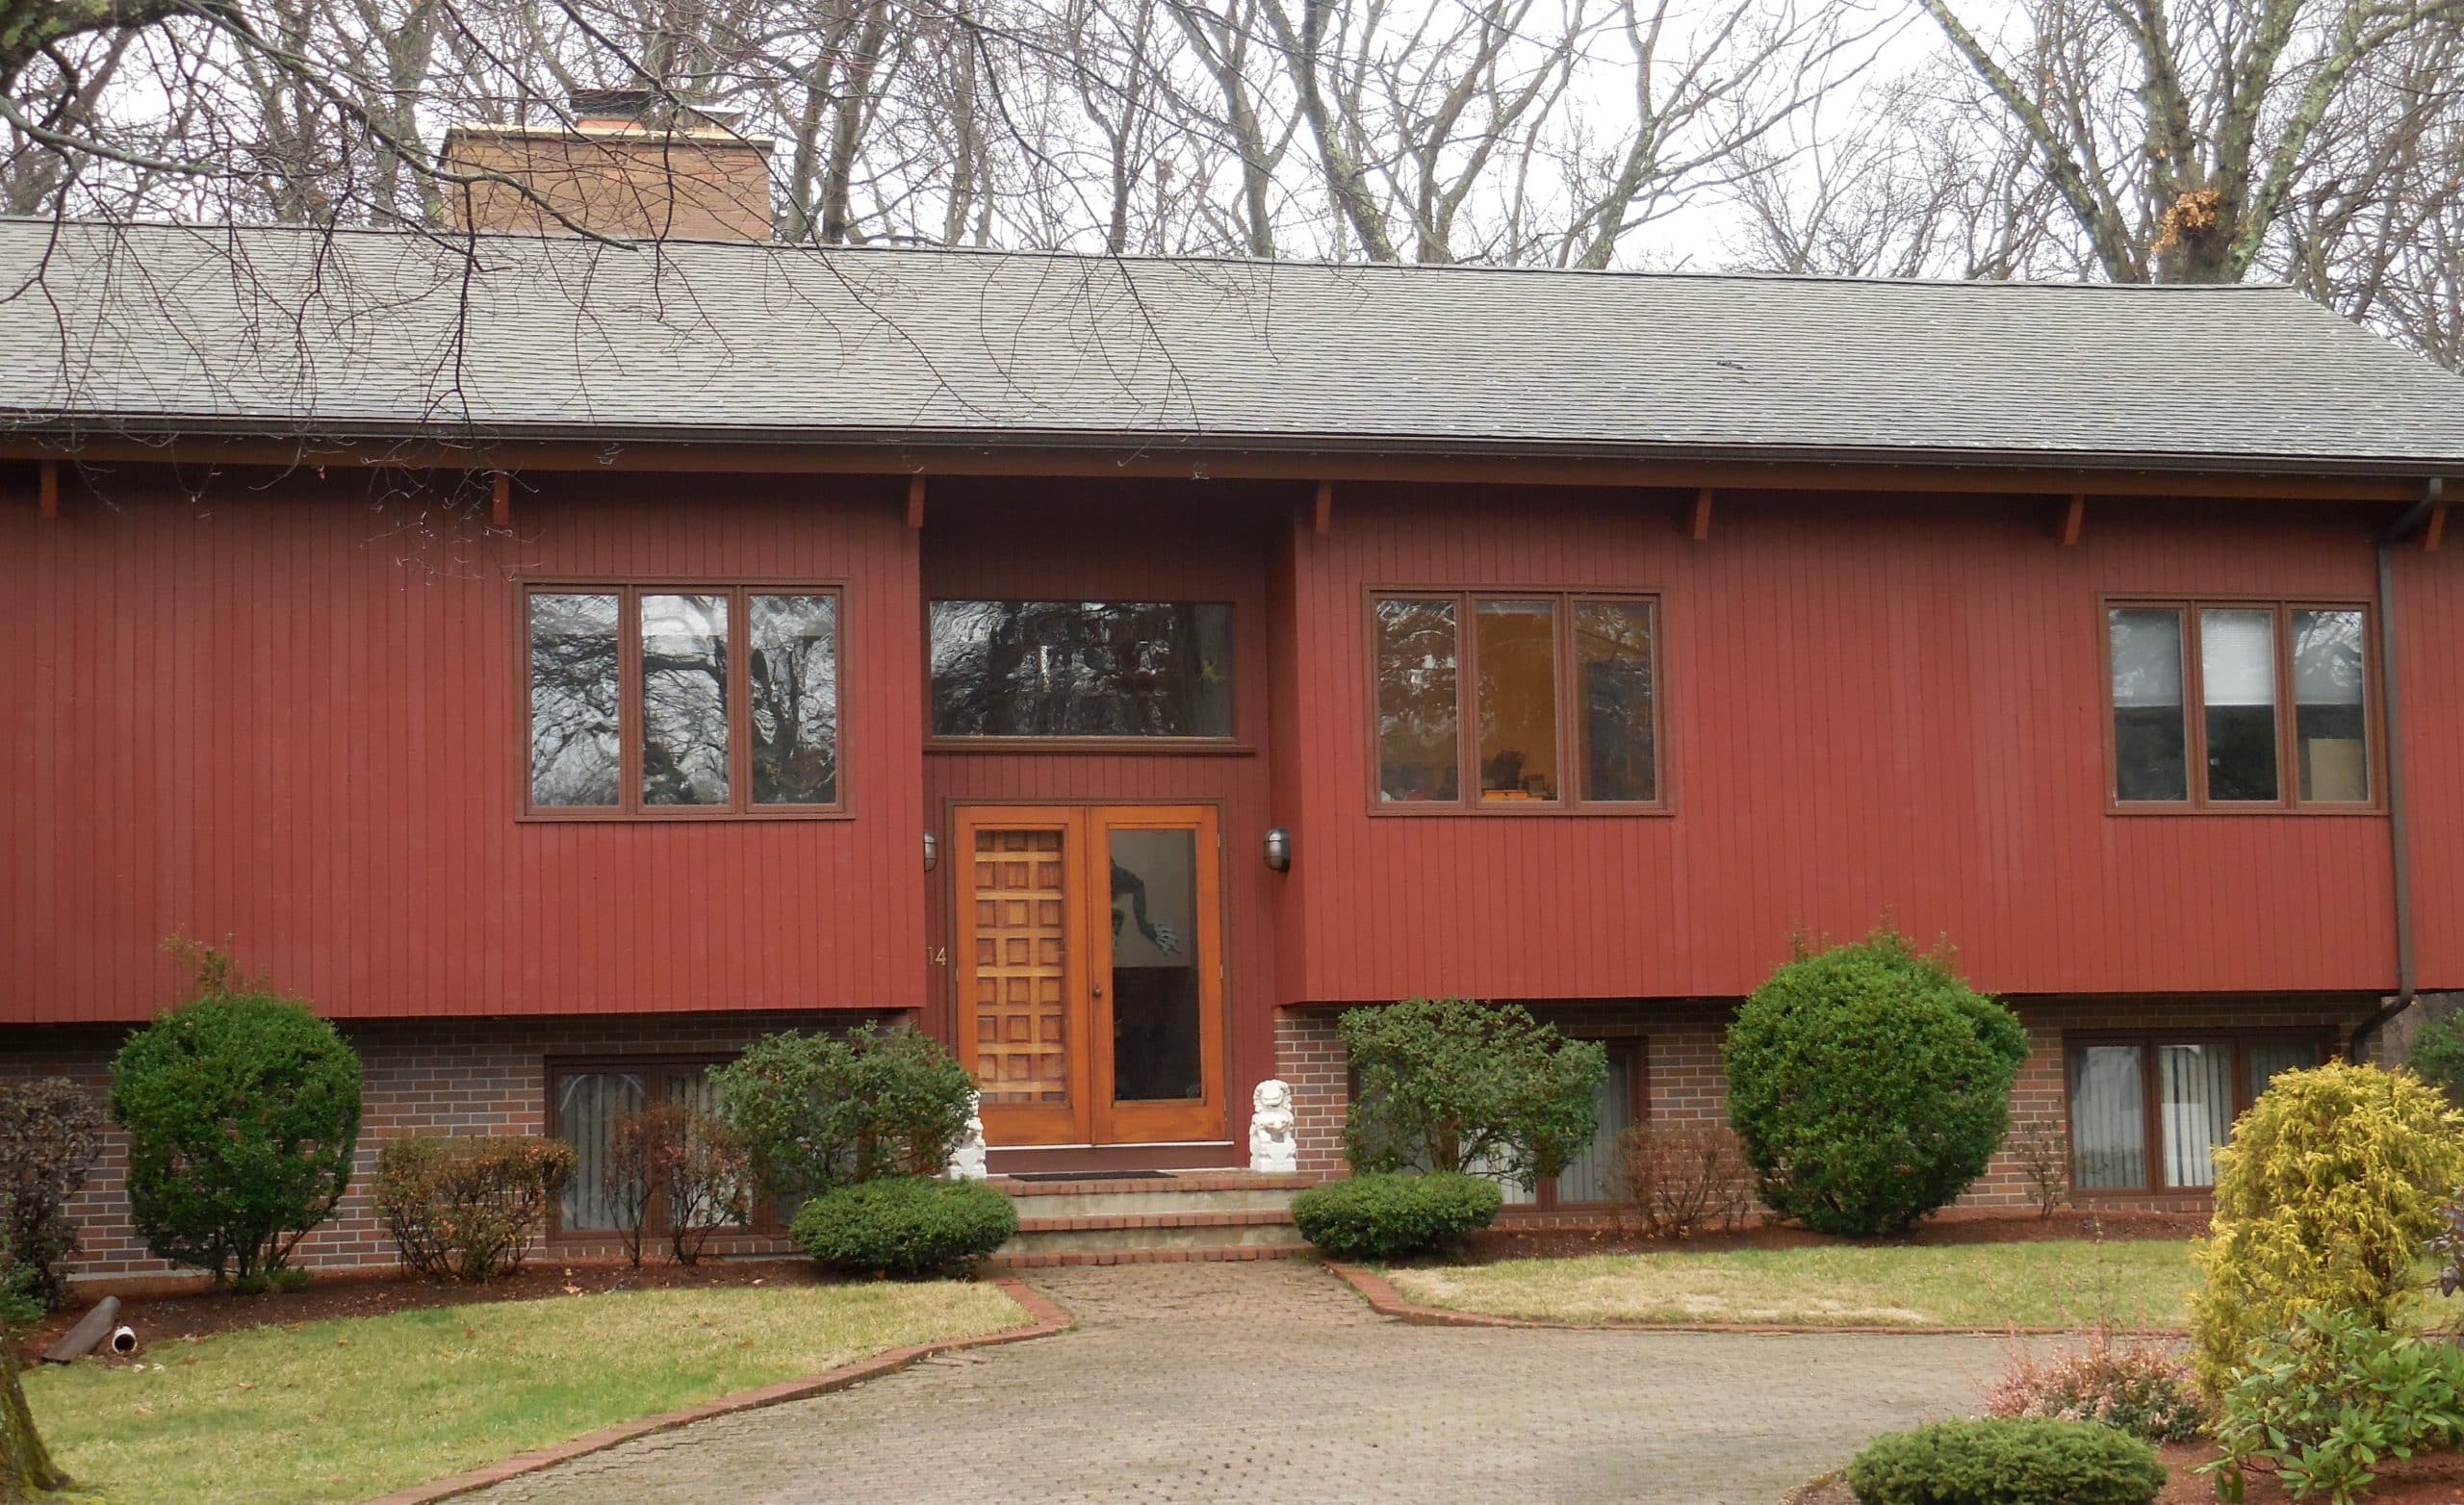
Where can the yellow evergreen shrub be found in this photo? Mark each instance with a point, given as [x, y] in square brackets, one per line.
[2325, 1199]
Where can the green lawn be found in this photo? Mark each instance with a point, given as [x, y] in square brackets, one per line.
[2055, 1283]
[344, 1410]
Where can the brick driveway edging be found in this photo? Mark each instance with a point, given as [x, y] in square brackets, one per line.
[1045, 1318]
[1386, 1301]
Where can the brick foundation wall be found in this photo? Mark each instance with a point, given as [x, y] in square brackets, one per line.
[1681, 1051]
[1310, 1061]
[442, 1077]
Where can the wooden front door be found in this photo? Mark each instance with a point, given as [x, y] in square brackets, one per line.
[1091, 984]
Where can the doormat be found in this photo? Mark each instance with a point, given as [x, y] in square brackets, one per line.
[1089, 1175]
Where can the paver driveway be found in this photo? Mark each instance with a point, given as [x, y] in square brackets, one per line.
[1272, 1381]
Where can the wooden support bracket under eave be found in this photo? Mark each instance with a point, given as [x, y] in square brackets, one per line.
[48, 488]
[2073, 517]
[916, 500]
[2435, 530]
[1324, 520]
[1700, 528]
[500, 500]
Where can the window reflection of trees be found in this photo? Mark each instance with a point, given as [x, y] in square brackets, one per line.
[1417, 754]
[684, 700]
[794, 678]
[1614, 650]
[1081, 668]
[573, 700]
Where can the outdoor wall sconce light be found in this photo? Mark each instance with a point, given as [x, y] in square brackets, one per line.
[932, 852]
[1279, 849]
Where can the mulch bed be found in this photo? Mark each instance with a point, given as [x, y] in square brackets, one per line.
[1507, 1242]
[175, 1308]
[2435, 1480]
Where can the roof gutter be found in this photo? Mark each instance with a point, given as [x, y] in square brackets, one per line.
[2398, 843]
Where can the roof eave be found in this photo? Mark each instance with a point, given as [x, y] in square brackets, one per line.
[1189, 452]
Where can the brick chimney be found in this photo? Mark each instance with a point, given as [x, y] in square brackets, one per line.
[631, 165]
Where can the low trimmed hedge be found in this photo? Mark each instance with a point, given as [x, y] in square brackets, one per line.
[904, 1225]
[2007, 1463]
[1394, 1215]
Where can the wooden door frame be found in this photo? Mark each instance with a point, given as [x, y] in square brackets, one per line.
[1090, 1120]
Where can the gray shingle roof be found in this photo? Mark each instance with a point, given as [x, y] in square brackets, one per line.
[290, 332]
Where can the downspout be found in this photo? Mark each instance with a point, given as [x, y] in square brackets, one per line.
[2397, 844]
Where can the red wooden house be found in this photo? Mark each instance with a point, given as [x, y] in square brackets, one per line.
[563, 661]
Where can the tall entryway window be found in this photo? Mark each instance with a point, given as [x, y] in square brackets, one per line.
[1090, 973]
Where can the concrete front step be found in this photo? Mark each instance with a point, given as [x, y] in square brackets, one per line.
[1206, 1214]
[1041, 1204]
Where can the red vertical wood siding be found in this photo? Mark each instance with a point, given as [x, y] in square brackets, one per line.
[1046, 542]
[2429, 665]
[1877, 709]
[289, 715]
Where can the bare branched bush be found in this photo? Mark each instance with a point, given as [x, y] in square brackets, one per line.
[677, 1172]
[1680, 1179]
[2041, 1145]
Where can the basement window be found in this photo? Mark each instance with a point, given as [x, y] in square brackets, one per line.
[2240, 706]
[665, 701]
[586, 1101]
[2148, 1113]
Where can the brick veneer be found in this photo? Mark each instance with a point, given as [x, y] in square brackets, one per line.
[1681, 1052]
[442, 1076]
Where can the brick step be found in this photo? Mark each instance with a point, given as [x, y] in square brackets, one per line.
[1243, 1217]
[1077, 1256]
[1177, 1182]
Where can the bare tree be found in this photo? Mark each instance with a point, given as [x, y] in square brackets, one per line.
[2181, 140]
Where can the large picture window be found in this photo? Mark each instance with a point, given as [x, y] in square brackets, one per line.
[1558, 691]
[1082, 669]
[2148, 1113]
[656, 700]
[2240, 706]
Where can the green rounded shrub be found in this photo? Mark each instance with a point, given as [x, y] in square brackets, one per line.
[2007, 1463]
[1392, 1216]
[1454, 1083]
[904, 1225]
[2326, 1198]
[1870, 1085]
[821, 1110]
[242, 1111]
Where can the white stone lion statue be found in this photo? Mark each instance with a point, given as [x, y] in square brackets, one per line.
[1274, 1150]
[966, 1162]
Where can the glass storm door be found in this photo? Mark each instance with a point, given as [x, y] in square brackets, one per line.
[1091, 1001]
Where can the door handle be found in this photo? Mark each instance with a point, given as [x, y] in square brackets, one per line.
[1098, 992]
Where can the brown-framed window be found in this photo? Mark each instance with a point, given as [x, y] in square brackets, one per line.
[2148, 1111]
[1590, 1178]
[1089, 669]
[586, 1099]
[1516, 702]
[651, 700]
[2240, 705]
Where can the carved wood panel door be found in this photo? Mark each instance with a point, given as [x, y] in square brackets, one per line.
[1091, 984]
